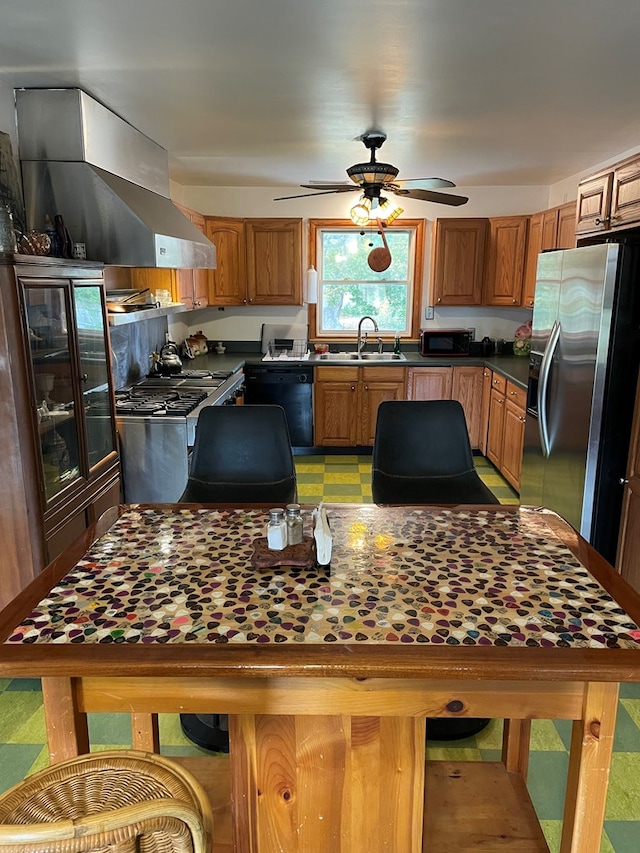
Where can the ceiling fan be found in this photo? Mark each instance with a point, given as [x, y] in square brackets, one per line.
[373, 179]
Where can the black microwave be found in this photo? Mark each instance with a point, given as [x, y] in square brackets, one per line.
[445, 342]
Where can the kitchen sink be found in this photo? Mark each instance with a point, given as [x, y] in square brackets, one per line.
[363, 356]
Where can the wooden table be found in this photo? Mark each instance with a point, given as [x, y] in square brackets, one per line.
[329, 675]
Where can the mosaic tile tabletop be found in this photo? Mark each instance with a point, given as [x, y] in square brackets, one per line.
[397, 575]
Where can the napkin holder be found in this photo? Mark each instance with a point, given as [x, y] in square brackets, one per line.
[322, 536]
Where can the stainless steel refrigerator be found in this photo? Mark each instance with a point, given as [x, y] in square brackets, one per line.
[585, 353]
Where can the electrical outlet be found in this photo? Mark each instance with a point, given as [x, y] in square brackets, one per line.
[428, 312]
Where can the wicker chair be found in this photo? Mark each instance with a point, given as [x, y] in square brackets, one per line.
[117, 801]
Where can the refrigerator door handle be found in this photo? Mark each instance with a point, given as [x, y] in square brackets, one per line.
[543, 382]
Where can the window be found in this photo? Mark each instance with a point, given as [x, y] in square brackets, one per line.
[348, 288]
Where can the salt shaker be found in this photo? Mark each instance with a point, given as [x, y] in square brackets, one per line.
[294, 524]
[277, 530]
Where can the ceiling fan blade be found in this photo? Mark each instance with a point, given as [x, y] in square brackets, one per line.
[430, 195]
[425, 183]
[329, 185]
[310, 195]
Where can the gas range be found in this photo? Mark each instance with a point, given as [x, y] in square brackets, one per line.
[148, 401]
[156, 421]
[188, 379]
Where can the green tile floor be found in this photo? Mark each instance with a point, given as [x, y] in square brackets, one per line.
[348, 479]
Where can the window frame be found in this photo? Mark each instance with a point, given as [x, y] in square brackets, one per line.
[418, 225]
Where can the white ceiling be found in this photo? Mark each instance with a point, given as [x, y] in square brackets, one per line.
[273, 92]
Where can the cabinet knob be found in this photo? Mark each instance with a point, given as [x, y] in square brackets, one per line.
[623, 481]
[353, 387]
[84, 377]
[439, 299]
[603, 221]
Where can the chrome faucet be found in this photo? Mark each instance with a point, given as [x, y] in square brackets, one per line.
[361, 342]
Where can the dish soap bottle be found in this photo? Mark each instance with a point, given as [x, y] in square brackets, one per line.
[396, 345]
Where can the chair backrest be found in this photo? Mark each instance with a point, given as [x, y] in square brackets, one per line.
[114, 800]
[242, 454]
[422, 454]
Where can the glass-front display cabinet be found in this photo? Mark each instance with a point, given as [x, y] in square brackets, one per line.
[56, 340]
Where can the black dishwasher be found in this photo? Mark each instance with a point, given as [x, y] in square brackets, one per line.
[288, 386]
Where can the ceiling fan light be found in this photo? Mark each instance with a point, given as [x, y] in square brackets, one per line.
[389, 211]
[359, 213]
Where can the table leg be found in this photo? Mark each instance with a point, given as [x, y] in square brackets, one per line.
[515, 746]
[145, 732]
[67, 731]
[315, 784]
[589, 765]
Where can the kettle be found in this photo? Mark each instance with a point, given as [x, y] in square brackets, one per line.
[170, 359]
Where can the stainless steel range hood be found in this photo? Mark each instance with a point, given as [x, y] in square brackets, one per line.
[107, 180]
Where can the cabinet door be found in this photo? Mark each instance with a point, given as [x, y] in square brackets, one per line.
[627, 561]
[513, 442]
[625, 194]
[93, 360]
[336, 413]
[458, 261]
[534, 247]
[375, 389]
[274, 261]
[228, 282]
[429, 383]
[549, 229]
[505, 268]
[56, 401]
[487, 377]
[594, 204]
[566, 226]
[496, 427]
[467, 389]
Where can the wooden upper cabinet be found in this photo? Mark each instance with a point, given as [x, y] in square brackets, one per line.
[534, 247]
[274, 261]
[611, 199]
[228, 281]
[549, 229]
[625, 193]
[259, 261]
[505, 263]
[566, 235]
[458, 261]
[594, 204]
[191, 286]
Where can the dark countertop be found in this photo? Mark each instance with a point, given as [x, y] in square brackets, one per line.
[513, 367]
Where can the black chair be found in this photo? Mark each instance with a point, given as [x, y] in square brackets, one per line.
[422, 455]
[242, 454]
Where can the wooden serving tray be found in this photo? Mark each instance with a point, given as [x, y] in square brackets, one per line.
[300, 556]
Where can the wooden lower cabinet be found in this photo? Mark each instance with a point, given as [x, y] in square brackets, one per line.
[452, 383]
[346, 401]
[505, 437]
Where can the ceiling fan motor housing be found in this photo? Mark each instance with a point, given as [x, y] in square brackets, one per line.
[372, 173]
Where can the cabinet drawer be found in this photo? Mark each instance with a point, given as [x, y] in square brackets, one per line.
[383, 374]
[336, 374]
[499, 382]
[517, 395]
